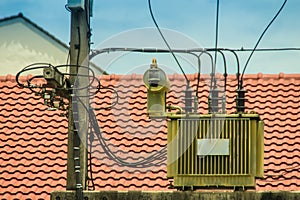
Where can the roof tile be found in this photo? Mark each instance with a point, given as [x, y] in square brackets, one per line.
[34, 155]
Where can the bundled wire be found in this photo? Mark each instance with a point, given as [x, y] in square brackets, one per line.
[41, 66]
[159, 156]
[31, 67]
[154, 159]
[94, 84]
[220, 50]
[114, 103]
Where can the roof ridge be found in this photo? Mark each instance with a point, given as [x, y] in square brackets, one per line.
[117, 77]
[20, 15]
[194, 76]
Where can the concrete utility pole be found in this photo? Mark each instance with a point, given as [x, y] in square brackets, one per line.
[78, 116]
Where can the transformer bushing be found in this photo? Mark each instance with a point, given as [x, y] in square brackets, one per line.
[214, 101]
[188, 100]
[240, 100]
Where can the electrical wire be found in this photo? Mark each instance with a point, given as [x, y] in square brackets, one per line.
[88, 20]
[163, 37]
[224, 64]
[46, 65]
[93, 76]
[270, 49]
[145, 162]
[216, 44]
[93, 79]
[42, 66]
[238, 64]
[79, 192]
[78, 46]
[95, 52]
[213, 81]
[68, 60]
[76, 139]
[225, 69]
[30, 67]
[29, 85]
[236, 57]
[113, 104]
[193, 52]
[212, 66]
[67, 8]
[198, 77]
[199, 69]
[259, 39]
[91, 139]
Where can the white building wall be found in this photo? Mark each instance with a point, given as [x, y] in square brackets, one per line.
[22, 44]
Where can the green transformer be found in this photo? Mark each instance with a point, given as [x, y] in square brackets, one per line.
[214, 150]
[225, 150]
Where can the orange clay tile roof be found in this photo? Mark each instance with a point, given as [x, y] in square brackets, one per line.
[33, 154]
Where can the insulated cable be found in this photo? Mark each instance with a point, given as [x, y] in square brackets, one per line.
[216, 43]
[236, 57]
[145, 162]
[225, 69]
[161, 34]
[91, 139]
[259, 39]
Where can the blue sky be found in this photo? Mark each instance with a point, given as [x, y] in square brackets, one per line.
[240, 24]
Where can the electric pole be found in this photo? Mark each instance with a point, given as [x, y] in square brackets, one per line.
[79, 101]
